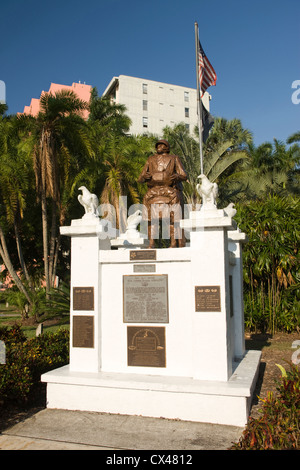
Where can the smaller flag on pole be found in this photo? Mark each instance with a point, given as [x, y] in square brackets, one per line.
[207, 122]
[207, 74]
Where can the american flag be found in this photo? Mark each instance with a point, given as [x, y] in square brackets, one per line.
[207, 74]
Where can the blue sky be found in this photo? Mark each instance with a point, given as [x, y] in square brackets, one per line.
[253, 46]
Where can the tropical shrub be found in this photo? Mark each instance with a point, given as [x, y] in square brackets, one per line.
[57, 304]
[18, 299]
[271, 260]
[26, 360]
[278, 425]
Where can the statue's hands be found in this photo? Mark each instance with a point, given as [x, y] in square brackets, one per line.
[171, 179]
[147, 176]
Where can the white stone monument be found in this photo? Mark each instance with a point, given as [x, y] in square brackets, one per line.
[158, 332]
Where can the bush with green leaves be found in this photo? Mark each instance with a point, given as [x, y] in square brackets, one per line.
[271, 262]
[278, 425]
[57, 304]
[27, 359]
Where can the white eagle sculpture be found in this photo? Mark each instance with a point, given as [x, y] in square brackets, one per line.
[208, 192]
[89, 201]
[131, 226]
[134, 220]
[230, 211]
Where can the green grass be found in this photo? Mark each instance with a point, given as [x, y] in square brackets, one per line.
[9, 316]
[8, 310]
[30, 330]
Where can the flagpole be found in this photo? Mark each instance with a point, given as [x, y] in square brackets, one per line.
[199, 108]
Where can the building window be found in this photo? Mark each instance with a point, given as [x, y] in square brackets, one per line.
[186, 96]
[145, 88]
[145, 122]
[186, 112]
[187, 126]
[145, 105]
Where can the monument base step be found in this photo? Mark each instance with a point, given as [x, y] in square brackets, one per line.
[155, 396]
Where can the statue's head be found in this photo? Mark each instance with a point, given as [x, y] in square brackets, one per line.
[162, 146]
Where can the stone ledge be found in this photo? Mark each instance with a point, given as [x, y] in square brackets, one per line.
[239, 384]
[180, 398]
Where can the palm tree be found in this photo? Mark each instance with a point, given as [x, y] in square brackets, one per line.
[13, 183]
[123, 158]
[110, 115]
[293, 138]
[112, 167]
[232, 130]
[271, 168]
[3, 109]
[221, 151]
[55, 132]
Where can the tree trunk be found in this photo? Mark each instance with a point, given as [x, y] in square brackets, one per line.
[55, 260]
[53, 243]
[7, 261]
[20, 253]
[45, 241]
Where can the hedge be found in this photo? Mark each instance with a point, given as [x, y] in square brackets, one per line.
[26, 360]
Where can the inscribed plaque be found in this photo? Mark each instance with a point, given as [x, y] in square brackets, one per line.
[136, 255]
[83, 298]
[207, 299]
[144, 268]
[146, 346]
[145, 298]
[83, 331]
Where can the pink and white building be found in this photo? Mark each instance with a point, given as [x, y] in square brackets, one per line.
[82, 90]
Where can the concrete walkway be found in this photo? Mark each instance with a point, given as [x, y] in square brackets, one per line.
[52, 429]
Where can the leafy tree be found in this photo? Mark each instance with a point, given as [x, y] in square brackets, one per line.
[14, 174]
[271, 262]
[123, 158]
[110, 115]
[56, 132]
[224, 147]
[112, 168]
[293, 138]
[271, 168]
[3, 109]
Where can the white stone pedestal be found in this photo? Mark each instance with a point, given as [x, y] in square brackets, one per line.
[88, 237]
[156, 396]
[133, 243]
[204, 374]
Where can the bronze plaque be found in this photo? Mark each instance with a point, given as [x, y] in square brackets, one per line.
[146, 346]
[136, 255]
[83, 331]
[145, 298]
[208, 299]
[83, 298]
[144, 268]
